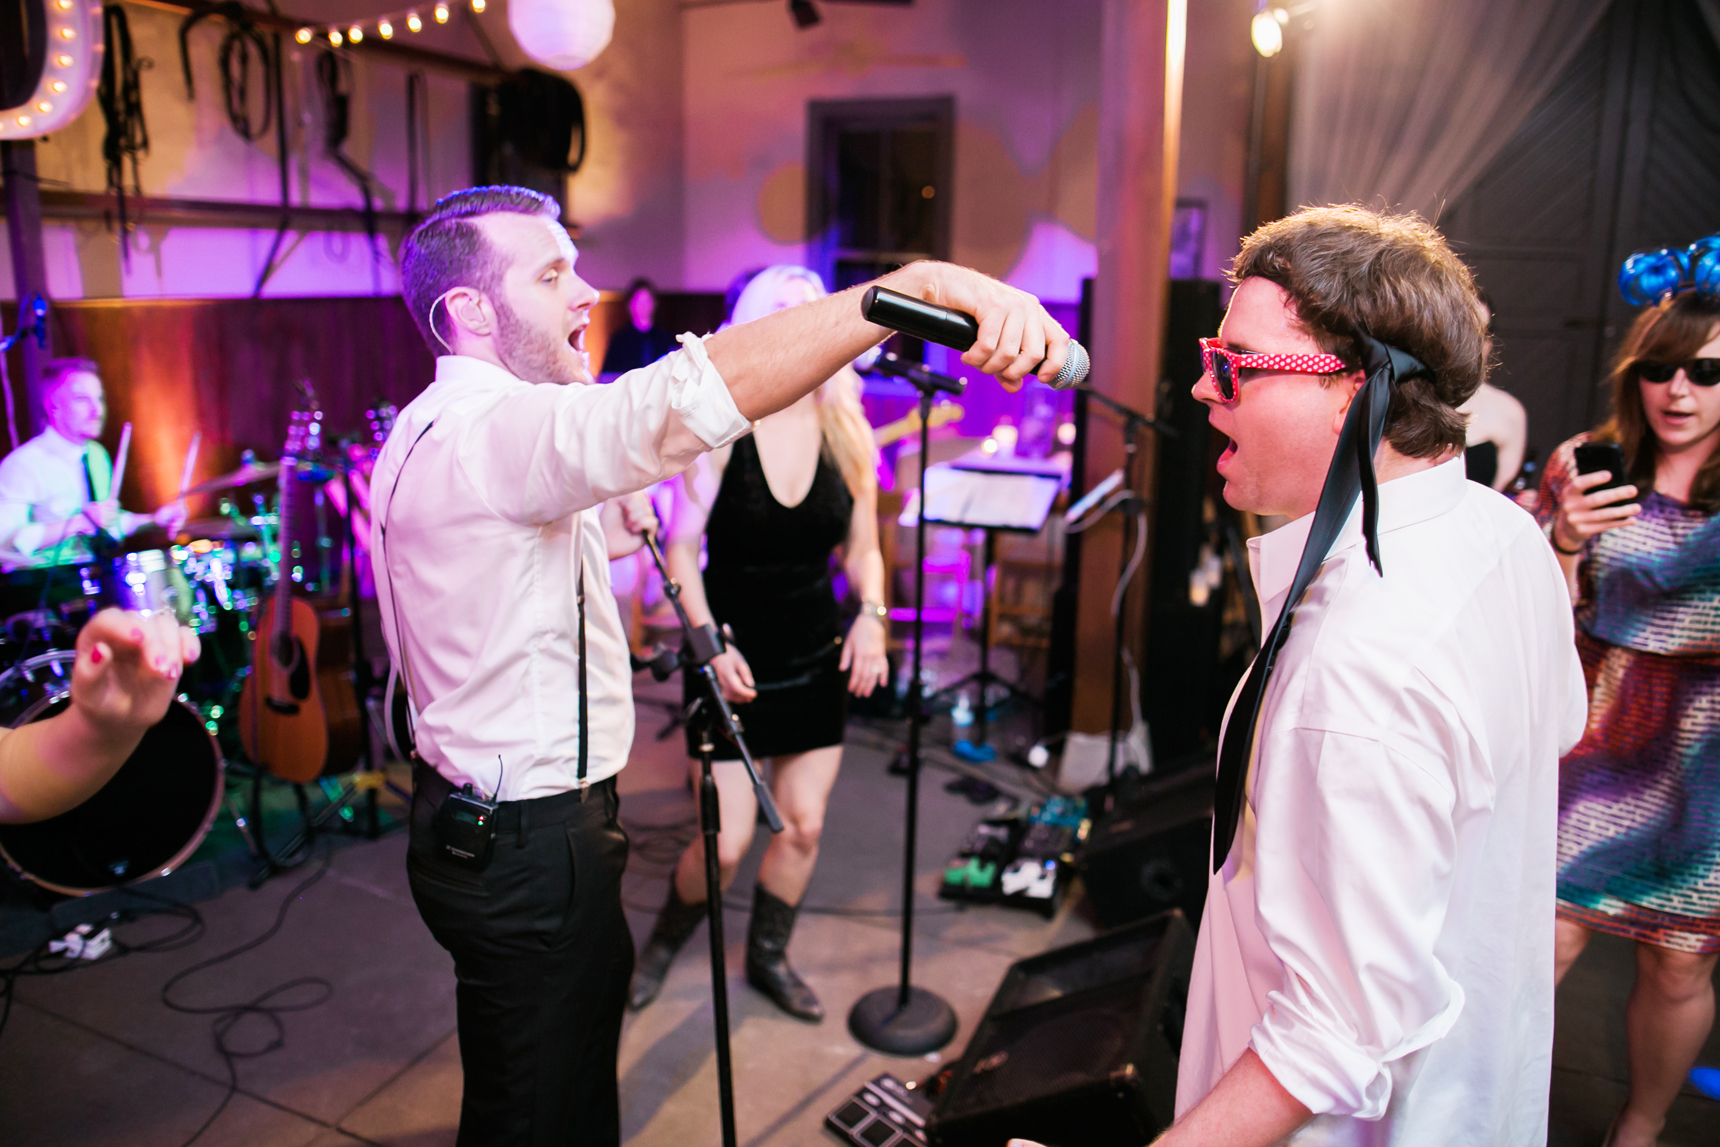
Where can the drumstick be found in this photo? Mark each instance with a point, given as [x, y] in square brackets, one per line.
[119, 461]
[190, 463]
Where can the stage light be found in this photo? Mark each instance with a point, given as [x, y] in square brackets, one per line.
[385, 30]
[1267, 31]
[413, 23]
[303, 35]
[335, 38]
[441, 13]
[355, 34]
[562, 35]
[805, 15]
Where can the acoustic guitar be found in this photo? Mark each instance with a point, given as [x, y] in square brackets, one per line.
[284, 723]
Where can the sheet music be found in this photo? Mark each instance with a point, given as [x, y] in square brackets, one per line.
[984, 499]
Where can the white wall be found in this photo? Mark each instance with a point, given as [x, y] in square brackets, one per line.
[1024, 74]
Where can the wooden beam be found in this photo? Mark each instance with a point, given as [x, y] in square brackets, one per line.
[56, 204]
[394, 52]
[29, 264]
[1140, 112]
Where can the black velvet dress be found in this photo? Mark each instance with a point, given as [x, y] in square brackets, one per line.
[767, 577]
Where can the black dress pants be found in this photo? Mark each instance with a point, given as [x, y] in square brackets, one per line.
[543, 957]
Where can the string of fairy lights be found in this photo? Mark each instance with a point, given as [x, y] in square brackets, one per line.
[407, 20]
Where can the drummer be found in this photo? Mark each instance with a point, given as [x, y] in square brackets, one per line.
[56, 489]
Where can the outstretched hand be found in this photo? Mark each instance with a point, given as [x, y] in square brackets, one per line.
[128, 668]
[1016, 333]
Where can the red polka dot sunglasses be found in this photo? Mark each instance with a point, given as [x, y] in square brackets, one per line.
[1223, 365]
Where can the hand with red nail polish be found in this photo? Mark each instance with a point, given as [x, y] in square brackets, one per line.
[125, 676]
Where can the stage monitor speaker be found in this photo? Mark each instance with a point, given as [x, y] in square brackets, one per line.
[1078, 1047]
[1151, 853]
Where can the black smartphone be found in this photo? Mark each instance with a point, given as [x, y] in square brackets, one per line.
[1594, 457]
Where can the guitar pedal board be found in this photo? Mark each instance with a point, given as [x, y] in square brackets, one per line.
[885, 1112]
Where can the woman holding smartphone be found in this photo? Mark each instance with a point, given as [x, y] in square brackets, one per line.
[1639, 797]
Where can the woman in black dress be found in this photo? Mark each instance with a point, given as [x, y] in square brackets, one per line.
[771, 509]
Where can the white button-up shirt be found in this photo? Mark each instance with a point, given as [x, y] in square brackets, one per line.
[1381, 933]
[45, 478]
[477, 548]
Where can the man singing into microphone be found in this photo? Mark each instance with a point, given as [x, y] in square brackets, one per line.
[493, 581]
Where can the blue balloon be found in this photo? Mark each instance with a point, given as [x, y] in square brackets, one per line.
[1705, 267]
[1649, 276]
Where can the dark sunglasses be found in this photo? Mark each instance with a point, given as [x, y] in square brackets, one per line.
[1700, 371]
[1224, 364]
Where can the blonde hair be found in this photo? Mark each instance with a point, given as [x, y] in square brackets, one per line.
[841, 420]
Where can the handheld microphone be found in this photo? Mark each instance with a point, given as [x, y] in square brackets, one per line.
[952, 328]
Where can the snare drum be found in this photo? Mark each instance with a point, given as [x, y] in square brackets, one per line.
[144, 822]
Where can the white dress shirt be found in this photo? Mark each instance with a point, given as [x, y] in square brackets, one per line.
[1382, 932]
[45, 479]
[477, 549]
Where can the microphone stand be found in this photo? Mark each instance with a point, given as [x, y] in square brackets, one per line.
[905, 1020]
[706, 716]
[1132, 506]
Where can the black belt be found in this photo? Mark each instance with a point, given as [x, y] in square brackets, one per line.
[537, 812]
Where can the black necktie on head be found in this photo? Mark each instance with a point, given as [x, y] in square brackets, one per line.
[1351, 472]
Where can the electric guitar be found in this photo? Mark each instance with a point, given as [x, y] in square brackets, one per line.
[942, 413]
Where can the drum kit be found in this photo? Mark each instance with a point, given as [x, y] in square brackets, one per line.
[219, 578]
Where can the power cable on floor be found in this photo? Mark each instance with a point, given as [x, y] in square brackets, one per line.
[227, 1016]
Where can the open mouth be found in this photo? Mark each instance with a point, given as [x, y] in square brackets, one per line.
[577, 339]
[1229, 453]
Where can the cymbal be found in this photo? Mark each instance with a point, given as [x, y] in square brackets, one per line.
[248, 475]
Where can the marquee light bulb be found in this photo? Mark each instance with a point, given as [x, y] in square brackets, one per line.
[303, 35]
[64, 60]
[441, 13]
[44, 107]
[68, 33]
[355, 34]
[477, 5]
[413, 23]
[23, 121]
[385, 30]
[335, 38]
[57, 86]
[63, 5]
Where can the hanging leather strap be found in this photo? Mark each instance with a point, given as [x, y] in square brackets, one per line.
[1351, 473]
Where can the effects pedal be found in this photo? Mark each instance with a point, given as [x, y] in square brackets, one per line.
[885, 1112]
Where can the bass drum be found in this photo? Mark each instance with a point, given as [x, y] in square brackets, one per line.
[144, 822]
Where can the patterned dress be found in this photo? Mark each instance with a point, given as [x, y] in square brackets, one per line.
[1639, 797]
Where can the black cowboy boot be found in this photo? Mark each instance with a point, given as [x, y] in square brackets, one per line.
[767, 957]
[674, 924]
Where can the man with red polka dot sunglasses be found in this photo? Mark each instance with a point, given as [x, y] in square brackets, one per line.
[1223, 365]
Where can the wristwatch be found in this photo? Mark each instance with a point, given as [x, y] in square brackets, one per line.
[875, 609]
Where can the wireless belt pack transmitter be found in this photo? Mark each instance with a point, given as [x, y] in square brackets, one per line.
[466, 827]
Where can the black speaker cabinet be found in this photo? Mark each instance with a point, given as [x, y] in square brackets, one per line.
[1079, 1046]
[1153, 852]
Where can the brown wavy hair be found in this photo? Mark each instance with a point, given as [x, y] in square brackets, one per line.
[1671, 331]
[1350, 269]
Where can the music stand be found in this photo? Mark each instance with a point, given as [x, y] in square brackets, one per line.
[994, 495]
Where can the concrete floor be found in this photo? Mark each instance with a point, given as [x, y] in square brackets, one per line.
[93, 1056]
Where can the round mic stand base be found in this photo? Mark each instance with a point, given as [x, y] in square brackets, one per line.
[903, 1019]
[880, 1021]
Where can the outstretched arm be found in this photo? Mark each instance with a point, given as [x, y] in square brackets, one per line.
[125, 676]
[770, 362]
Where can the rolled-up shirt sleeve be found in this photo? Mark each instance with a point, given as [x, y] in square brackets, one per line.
[551, 451]
[1355, 872]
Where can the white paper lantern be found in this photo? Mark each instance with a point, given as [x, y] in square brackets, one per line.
[563, 35]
